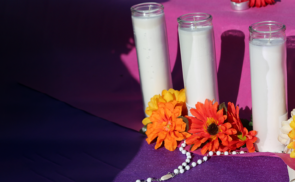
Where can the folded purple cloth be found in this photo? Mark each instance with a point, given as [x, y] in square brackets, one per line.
[149, 162]
[43, 139]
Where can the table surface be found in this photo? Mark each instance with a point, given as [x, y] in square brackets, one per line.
[44, 139]
[68, 74]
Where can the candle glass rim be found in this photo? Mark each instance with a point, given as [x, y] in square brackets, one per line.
[146, 4]
[240, 2]
[181, 20]
[280, 26]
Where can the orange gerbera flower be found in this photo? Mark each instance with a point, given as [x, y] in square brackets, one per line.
[243, 136]
[166, 125]
[208, 127]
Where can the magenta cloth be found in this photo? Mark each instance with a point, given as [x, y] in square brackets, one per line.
[82, 52]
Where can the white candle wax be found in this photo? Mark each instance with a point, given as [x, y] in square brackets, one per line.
[198, 64]
[268, 91]
[152, 54]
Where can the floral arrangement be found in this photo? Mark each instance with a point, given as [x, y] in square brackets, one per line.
[213, 126]
[287, 137]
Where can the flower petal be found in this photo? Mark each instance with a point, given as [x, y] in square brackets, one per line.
[167, 96]
[253, 132]
[195, 130]
[240, 144]
[178, 136]
[181, 97]
[161, 137]
[192, 139]
[231, 131]
[180, 125]
[292, 134]
[292, 155]
[170, 143]
[205, 148]
[185, 134]
[146, 120]
[227, 125]
[283, 139]
[285, 123]
[286, 129]
[292, 124]
[250, 146]
[291, 145]
[216, 144]
[151, 137]
[196, 146]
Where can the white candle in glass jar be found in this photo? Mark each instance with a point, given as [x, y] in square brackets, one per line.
[198, 62]
[267, 58]
[152, 49]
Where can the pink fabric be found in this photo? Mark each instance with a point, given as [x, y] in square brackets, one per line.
[92, 61]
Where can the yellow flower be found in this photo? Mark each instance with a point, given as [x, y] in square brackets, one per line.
[292, 137]
[292, 132]
[285, 130]
[167, 96]
[292, 146]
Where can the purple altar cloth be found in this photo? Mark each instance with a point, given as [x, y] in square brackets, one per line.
[149, 162]
[43, 139]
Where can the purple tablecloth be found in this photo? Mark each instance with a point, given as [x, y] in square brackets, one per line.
[43, 139]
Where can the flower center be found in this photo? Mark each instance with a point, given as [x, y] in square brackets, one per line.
[167, 128]
[212, 129]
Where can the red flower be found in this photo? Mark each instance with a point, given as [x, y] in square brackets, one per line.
[208, 127]
[243, 136]
[259, 3]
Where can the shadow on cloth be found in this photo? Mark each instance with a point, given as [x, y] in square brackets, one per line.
[72, 51]
[177, 76]
[231, 64]
[44, 139]
[290, 73]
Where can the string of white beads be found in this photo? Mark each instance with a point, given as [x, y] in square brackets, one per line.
[185, 166]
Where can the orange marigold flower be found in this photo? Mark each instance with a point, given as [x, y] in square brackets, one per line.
[166, 125]
[208, 127]
[243, 136]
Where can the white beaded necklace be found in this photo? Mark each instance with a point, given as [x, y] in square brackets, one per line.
[185, 166]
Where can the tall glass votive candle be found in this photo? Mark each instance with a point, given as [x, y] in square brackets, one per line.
[197, 48]
[268, 60]
[149, 29]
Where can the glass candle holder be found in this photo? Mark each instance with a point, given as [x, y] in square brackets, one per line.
[268, 79]
[197, 48]
[239, 5]
[149, 29]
